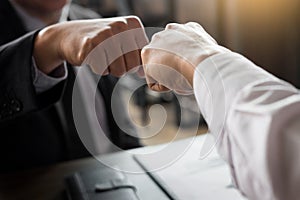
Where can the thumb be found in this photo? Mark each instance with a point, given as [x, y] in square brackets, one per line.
[153, 84]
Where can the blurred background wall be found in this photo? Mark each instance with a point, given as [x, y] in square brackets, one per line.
[267, 32]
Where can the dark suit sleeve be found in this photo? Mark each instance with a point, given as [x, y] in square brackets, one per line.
[17, 91]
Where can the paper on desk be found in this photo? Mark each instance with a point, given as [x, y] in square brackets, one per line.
[192, 178]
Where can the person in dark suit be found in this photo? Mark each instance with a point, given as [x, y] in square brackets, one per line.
[36, 125]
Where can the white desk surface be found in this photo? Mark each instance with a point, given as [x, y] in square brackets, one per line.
[190, 177]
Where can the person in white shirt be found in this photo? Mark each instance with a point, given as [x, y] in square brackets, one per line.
[254, 116]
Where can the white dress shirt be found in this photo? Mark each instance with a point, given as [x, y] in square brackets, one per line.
[255, 118]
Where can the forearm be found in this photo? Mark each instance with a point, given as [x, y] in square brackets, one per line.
[263, 142]
[74, 41]
[218, 80]
[248, 111]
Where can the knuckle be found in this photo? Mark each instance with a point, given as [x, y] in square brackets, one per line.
[134, 21]
[156, 36]
[133, 18]
[171, 26]
[145, 52]
[146, 55]
[85, 48]
[81, 55]
[119, 25]
[195, 26]
[106, 32]
[91, 40]
[87, 42]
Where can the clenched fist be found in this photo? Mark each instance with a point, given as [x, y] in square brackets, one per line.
[110, 45]
[172, 56]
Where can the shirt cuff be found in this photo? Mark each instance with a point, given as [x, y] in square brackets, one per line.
[43, 82]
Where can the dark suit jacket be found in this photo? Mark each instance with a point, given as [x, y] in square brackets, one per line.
[39, 129]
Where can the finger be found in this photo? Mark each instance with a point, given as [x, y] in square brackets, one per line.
[151, 82]
[140, 36]
[132, 57]
[158, 87]
[116, 68]
[201, 31]
[156, 37]
[195, 25]
[117, 63]
[129, 43]
[132, 60]
[96, 57]
[172, 26]
[129, 49]
[154, 85]
[180, 28]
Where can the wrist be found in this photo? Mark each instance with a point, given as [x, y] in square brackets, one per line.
[46, 50]
[188, 67]
[209, 52]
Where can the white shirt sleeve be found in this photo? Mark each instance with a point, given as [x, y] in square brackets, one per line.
[43, 82]
[255, 118]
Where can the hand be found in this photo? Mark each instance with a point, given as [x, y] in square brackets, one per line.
[117, 42]
[172, 56]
